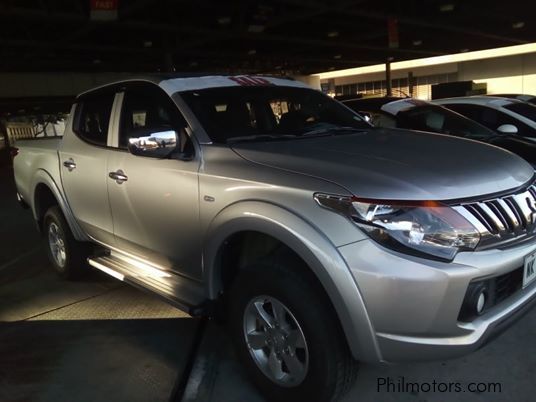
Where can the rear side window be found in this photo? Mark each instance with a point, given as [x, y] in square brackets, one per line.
[93, 117]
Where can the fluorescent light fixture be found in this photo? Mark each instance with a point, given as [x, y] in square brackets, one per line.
[433, 61]
[446, 7]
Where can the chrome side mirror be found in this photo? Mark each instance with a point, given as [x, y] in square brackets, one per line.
[507, 129]
[156, 143]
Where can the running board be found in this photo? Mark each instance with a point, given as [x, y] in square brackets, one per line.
[184, 293]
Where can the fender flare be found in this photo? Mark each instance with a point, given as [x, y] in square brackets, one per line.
[43, 177]
[308, 242]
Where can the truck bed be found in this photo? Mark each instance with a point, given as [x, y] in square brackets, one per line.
[35, 154]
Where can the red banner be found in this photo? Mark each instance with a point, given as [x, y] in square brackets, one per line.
[103, 10]
[392, 32]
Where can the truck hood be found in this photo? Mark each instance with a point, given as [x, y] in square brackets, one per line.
[396, 164]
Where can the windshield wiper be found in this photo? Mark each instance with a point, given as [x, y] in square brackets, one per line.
[261, 137]
[332, 131]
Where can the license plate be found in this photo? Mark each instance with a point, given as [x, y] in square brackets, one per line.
[529, 272]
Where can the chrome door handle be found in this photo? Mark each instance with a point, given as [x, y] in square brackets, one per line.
[69, 164]
[119, 176]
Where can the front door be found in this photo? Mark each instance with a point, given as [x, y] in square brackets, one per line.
[154, 202]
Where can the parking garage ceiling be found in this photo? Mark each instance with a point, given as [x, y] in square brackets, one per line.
[282, 36]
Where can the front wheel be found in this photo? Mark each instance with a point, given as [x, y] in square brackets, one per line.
[288, 337]
[65, 253]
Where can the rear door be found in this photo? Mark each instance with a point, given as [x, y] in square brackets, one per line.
[83, 157]
[156, 208]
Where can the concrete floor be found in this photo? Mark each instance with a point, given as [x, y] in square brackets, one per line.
[99, 340]
[95, 339]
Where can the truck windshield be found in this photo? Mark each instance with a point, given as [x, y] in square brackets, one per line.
[441, 120]
[269, 112]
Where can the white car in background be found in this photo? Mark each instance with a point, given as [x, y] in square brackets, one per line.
[523, 97]
[504, 115]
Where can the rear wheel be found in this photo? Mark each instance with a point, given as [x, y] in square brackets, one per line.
[288, 337]
[65, 253]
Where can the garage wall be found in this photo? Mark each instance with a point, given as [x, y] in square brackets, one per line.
[512, 74]
[507, 74]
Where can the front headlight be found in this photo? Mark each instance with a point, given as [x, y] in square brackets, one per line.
[413, 227]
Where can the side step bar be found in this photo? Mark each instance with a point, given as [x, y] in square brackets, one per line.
[184, 293]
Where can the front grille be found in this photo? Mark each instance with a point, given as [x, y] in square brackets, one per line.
[505, 217]
[496, 289]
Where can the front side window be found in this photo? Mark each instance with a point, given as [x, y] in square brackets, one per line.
[524, 109]
[151, 122]
[233, 112]
[93, 118]
[441, 120]
[492, 118]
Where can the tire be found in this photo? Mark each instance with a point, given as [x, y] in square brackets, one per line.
[65, 253]
[327, 368]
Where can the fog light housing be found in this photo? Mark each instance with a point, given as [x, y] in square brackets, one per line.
[475, 301]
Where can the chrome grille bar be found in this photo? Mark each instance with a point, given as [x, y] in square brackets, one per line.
[503, 218]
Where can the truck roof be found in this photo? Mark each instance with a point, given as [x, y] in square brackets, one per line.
[172, 83]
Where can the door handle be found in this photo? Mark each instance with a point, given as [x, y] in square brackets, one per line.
[119, 176]
[69, 164]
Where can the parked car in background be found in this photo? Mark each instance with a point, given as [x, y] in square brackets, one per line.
[415, 114]
[503, 115]
[322, 240]
[525, 98]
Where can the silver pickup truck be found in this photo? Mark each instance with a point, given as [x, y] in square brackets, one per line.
[322, 240]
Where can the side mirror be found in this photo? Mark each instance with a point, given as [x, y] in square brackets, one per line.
[507, 129]
[155, 142]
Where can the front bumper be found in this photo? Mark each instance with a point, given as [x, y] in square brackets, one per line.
[414, 303]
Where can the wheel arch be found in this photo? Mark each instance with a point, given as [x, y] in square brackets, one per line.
[46, 193]
[312, 247]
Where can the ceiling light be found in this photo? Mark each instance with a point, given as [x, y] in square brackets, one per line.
[252, 52]
[337, 56]
[256, 28]
[333, 34]
[417, 42]
[444, 8]
[518, 25]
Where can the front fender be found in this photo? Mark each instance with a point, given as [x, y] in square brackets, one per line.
[43, 177]
[314, 248]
